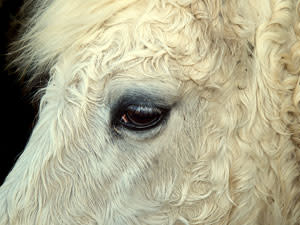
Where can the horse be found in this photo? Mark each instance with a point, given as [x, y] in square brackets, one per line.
[159, 112]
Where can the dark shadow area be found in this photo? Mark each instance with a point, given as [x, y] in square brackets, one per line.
[17, 111]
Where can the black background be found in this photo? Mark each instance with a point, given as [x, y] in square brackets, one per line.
[17, 110]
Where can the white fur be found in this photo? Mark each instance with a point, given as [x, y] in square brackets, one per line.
[229, 152]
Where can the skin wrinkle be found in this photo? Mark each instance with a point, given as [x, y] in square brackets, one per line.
[228, 153]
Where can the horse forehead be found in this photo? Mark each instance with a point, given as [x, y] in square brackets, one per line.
[179, 37]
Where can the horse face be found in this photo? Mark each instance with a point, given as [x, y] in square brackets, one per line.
[159, 113]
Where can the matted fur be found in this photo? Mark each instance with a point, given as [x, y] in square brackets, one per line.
[229, 152]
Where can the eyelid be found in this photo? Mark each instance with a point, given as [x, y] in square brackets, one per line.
[142, 99]
[139, 108]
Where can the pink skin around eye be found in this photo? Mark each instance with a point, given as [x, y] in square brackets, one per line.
[124, 118]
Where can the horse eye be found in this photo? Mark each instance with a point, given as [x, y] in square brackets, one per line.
[139, 117]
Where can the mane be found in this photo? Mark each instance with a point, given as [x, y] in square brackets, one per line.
[34, 52]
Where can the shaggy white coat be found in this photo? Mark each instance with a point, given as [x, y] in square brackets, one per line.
[230, 150]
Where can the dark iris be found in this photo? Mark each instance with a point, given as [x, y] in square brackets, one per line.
[141, 117]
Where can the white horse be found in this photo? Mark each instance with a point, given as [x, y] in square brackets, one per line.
[160, 112]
